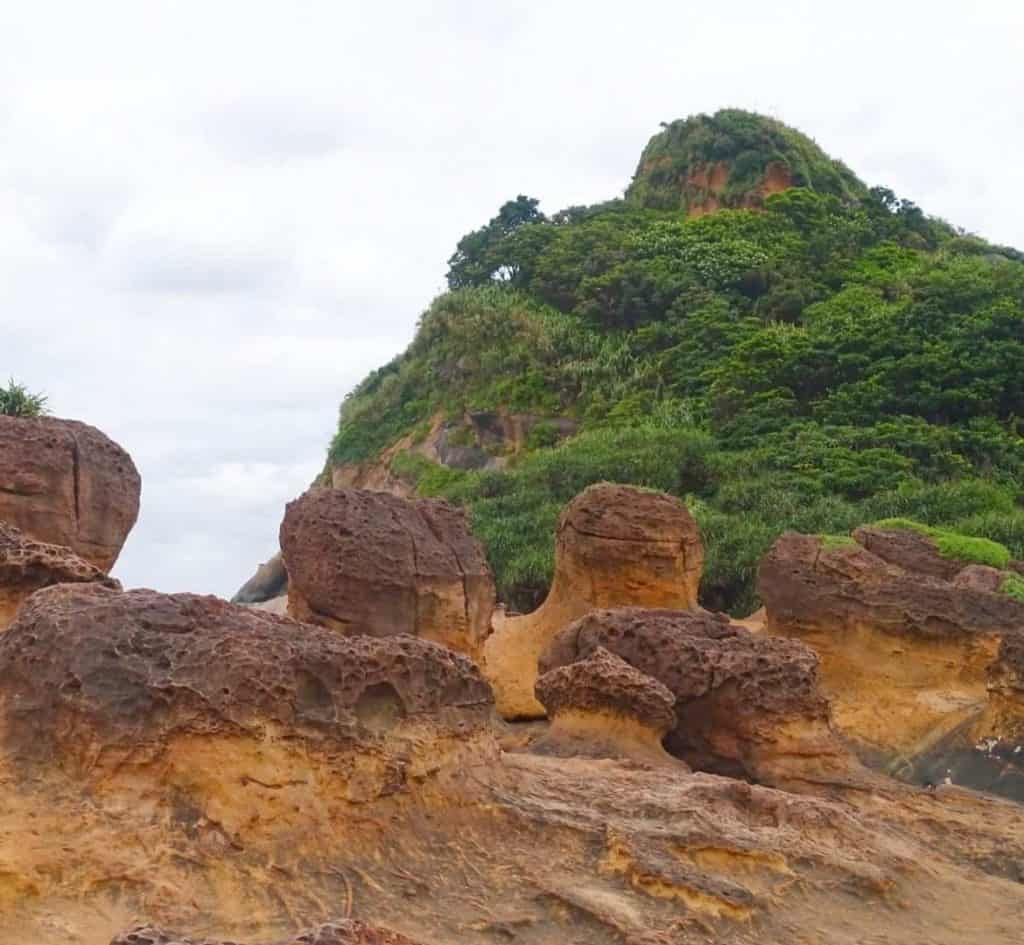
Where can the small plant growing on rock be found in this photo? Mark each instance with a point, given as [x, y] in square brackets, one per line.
[953, 545]
[17, 401]
[1013, 586]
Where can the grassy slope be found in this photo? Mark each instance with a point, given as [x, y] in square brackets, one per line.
[836, 359]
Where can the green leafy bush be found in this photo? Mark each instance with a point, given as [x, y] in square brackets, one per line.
[17, 401]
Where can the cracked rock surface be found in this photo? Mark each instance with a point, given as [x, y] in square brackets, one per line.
[66, 483]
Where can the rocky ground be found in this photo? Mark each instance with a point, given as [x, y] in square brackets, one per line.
[395, 764]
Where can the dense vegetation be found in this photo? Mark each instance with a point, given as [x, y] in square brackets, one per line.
[835, 358]
[17, 401]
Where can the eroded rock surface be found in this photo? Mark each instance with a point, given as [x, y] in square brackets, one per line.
[27, 565]
[616, 546]
[65, 483]
[268, 583]
[369, 563]
[603, 707]
[912, 662]
[745, 705]
[93, 678]
[908, 549]
[340, 932]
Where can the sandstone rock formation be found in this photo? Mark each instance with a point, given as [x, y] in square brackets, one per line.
[746, 705]
[26, 566]
[908, 549]
[269, 582]
[616, 546]
[339, 932]
[602, 707]
[65, 483]
[92, 680]
[910, 661]
[369, 563]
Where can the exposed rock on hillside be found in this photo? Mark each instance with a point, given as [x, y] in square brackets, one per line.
[65, 483]
[907, 658]
[91, 679]
[27, 565]
[732, 159]
[746, 705]
[616, 546]
[601, 706]
[370, 563]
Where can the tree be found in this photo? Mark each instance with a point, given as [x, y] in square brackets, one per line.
[474, 261]
[17, 401]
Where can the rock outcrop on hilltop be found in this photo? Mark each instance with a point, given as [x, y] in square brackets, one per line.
[910, 660]
[339, 932]
[600, 706]
[27, 565]
[65, 483]
[747, 706]
[370, 563]
[616, 546]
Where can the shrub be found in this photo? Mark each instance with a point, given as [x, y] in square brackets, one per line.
[17, 401]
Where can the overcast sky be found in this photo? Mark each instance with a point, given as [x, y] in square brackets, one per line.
[217, 216]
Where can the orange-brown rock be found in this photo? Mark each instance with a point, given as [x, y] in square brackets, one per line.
[27, 565]
[980, 577]
[370, 563]
[600, 706]
[339, 932]
[908, 549]
[746, 705]
[907, 658]
[65, 483]
[92, 679]
[616, 546]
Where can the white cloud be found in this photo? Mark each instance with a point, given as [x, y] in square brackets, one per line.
[216, 218]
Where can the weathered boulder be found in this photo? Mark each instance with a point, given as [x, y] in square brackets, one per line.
[909, 549]
[269, 582]
[370, 563]
[27, 565]
[980, 577]
[600, 706]
[92, 679]
[65, 483]
[907, 658]
[616, 546]
[338, 932]
[745, 705]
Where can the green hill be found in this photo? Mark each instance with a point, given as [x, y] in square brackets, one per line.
[819, 357]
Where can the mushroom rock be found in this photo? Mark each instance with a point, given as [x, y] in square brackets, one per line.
[907, 658]
[99, 683]
[616, 546]
[27, 565]
[908, 549]
[745, 705]
[369, 563]
[600, 706]
[65, 483]
[339, 932]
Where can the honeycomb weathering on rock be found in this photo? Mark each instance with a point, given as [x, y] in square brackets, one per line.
[340, 932]
[66, 483]
[27, 565]
[616, 546]
[744, 703]
[372, 563]
[131, 671]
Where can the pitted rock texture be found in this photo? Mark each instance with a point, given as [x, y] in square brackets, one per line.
[374, 564]
[65, 483]
[339, 932]
[269, 582]
[27, 565]
[908, 549]
[601, 682]
[616, 546]
[745, 705]
[980, 577]
[85, 670]
[913, 663]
